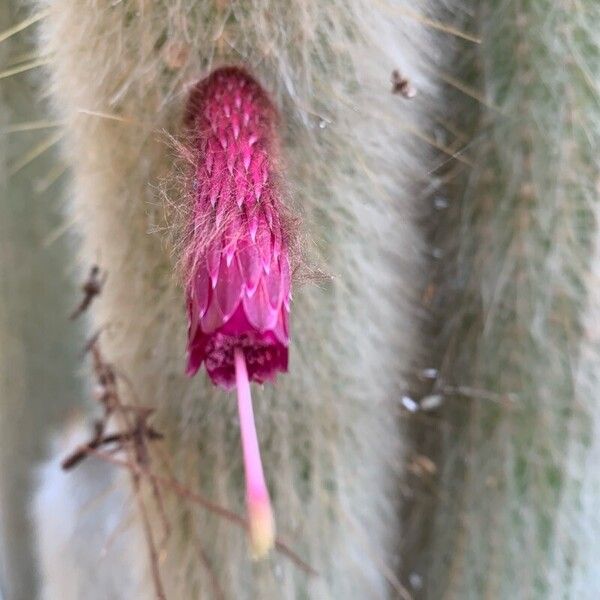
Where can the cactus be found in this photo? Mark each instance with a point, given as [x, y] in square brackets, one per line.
[38, 346]
[353, 157]
[573, 571]
[515, 483]
[514, 512]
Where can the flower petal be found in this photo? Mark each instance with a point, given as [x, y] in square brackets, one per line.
[286, 281]
[213, 319]
[274, 284]
[250, 265]
[201, 292]
[281, 330]
[259, 312]
[229, 288]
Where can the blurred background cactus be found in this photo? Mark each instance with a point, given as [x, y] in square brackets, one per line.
[38, 345]
[510, 506]
[439, 434]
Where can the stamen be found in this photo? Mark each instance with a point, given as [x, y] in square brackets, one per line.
[260, 514]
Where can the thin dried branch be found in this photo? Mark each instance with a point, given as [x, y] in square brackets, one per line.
[182, 491]
[91, 288]
[133, 442]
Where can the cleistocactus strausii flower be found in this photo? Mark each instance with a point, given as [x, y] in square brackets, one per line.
[238, 268]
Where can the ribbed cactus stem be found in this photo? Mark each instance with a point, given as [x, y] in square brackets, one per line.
[521, 235]
[350, 151]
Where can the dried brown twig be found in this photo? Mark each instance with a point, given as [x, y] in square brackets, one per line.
[133, 440]
[91, 288]
[402, 86]
[182, 491]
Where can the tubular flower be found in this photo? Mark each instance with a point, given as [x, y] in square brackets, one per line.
[238, 280]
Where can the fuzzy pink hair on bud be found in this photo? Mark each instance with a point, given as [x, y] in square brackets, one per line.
[238, 281]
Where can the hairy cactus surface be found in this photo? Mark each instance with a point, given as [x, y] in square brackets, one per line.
[514, 442]
[208, 142]
[353, 157]
[573, 571]
[38, 345]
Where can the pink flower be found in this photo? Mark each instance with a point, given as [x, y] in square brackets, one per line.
[238, 281]
[238, 284]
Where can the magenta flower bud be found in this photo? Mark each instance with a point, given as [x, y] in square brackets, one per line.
[238, 269]
[238, 284]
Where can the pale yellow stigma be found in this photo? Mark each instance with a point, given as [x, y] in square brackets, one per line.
[261, 527]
